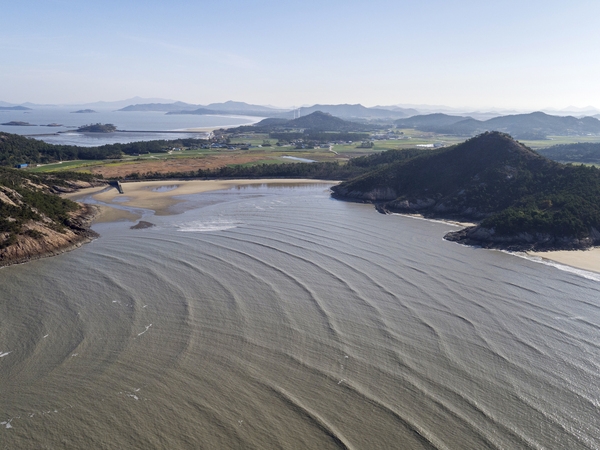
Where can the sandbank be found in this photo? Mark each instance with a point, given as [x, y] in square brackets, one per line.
[581, 259]
[159, 196]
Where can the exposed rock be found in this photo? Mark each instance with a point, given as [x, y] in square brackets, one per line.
[141, 225]
[487, 238]
[41, 240]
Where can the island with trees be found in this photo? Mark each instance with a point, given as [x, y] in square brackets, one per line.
[98, 128]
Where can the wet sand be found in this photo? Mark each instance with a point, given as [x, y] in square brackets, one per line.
[160, 196]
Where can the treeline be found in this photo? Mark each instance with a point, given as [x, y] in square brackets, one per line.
[16, 149]
[317, 170]
[387, 157]
[584, 152]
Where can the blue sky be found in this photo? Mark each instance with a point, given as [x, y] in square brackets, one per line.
[524, 54]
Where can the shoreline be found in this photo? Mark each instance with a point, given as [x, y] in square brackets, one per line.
[580, 259]
[584, 259]
[143, 194]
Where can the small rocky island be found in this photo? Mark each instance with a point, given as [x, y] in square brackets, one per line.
[84, 111]
[519, 199]
[98, 128]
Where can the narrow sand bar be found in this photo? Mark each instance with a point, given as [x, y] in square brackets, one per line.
[159, 196]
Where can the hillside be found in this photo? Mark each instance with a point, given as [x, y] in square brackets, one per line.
[34, 221]
[17, 149]
[522, 199]
[536, 125]
[316, 121]
[583, 152]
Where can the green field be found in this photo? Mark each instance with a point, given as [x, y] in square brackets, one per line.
[409, 138]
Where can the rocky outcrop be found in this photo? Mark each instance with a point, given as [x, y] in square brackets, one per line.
[373, 195]
[41, 239]
[487, 238]
[75, 185]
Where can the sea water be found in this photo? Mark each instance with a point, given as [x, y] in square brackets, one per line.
[277, 317]
[134, 125]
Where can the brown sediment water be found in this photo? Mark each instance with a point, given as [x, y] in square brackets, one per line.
[276, 317]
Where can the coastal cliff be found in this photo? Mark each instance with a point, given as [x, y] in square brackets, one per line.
[40, 240]
[521, 200]
[35, 222]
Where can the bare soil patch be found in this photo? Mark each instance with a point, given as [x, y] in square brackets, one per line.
[173, 165]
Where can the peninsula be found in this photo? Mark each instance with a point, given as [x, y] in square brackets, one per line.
[521, 200]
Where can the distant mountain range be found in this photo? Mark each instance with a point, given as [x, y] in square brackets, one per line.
[14, 108]
[357, 112]
[536, 125]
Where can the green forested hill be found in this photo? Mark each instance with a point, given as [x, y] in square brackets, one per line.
[493, 178]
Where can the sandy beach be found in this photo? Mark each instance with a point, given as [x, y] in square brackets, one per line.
[581, 259]
[160, 196]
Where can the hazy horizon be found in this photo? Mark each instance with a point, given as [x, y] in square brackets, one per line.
[463, 54]
[424, 108]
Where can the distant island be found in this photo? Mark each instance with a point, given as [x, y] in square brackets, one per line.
[84, 111]
[53, 125]
[521, 200]
[98, 128]
[14, 108]
[18, 123]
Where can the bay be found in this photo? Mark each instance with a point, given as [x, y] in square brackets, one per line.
[139, 125]
[277, 317]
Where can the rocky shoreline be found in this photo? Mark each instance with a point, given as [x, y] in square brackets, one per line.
[522, 242]
[478, 236]
[52, 242]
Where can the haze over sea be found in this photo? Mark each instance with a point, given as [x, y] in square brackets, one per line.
[277, 317]
[142, 122]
